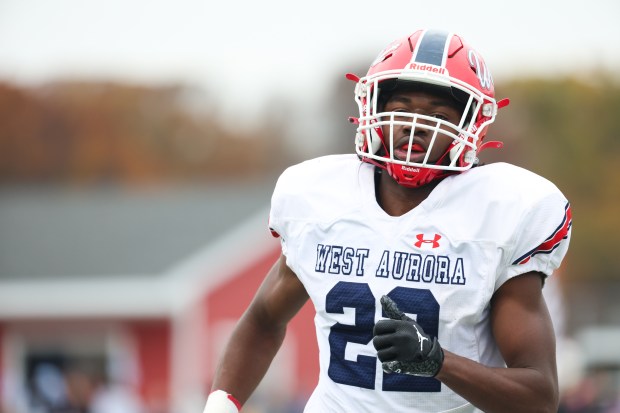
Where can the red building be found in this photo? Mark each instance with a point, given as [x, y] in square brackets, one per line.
[139, 290]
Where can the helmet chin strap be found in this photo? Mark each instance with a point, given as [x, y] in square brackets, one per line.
[422, 177]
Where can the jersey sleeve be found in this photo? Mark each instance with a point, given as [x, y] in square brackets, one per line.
[289, 206]
[541, 238]
[277, 224]
[313, 192]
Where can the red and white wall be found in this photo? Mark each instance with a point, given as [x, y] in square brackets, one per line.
[162, 334]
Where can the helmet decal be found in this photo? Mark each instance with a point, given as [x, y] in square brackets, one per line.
[432, 48]
[483, 73]
[385, 53]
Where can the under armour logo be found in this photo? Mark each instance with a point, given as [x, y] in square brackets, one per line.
[421, 240]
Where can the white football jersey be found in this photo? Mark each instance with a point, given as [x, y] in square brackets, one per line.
[441, 262]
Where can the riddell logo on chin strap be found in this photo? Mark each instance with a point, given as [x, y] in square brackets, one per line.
[421, 240]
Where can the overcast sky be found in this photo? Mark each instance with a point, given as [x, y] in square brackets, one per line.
[243, 51]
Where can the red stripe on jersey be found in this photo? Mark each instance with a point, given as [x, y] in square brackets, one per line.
[560, 234]
[274, 233]
[552, 242]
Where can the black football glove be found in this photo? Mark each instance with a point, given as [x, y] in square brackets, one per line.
[402, 345]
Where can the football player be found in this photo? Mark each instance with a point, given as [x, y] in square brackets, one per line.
[425, 268]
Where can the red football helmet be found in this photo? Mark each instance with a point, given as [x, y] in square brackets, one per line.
[434, 61]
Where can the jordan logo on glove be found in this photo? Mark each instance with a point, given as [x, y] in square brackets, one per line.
[403, 346]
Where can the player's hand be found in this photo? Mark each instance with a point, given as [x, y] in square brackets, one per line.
[402, 345]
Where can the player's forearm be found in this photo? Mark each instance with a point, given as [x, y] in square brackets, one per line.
[502, 390]
[247, 357]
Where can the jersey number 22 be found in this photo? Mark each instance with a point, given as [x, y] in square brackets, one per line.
[362, 372]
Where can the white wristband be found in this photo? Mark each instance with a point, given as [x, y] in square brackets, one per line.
[221, 402]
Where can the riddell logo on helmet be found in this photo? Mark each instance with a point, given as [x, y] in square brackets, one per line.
[427, 68]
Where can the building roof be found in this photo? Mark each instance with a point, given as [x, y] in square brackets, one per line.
[68, 234]
[126, 254]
